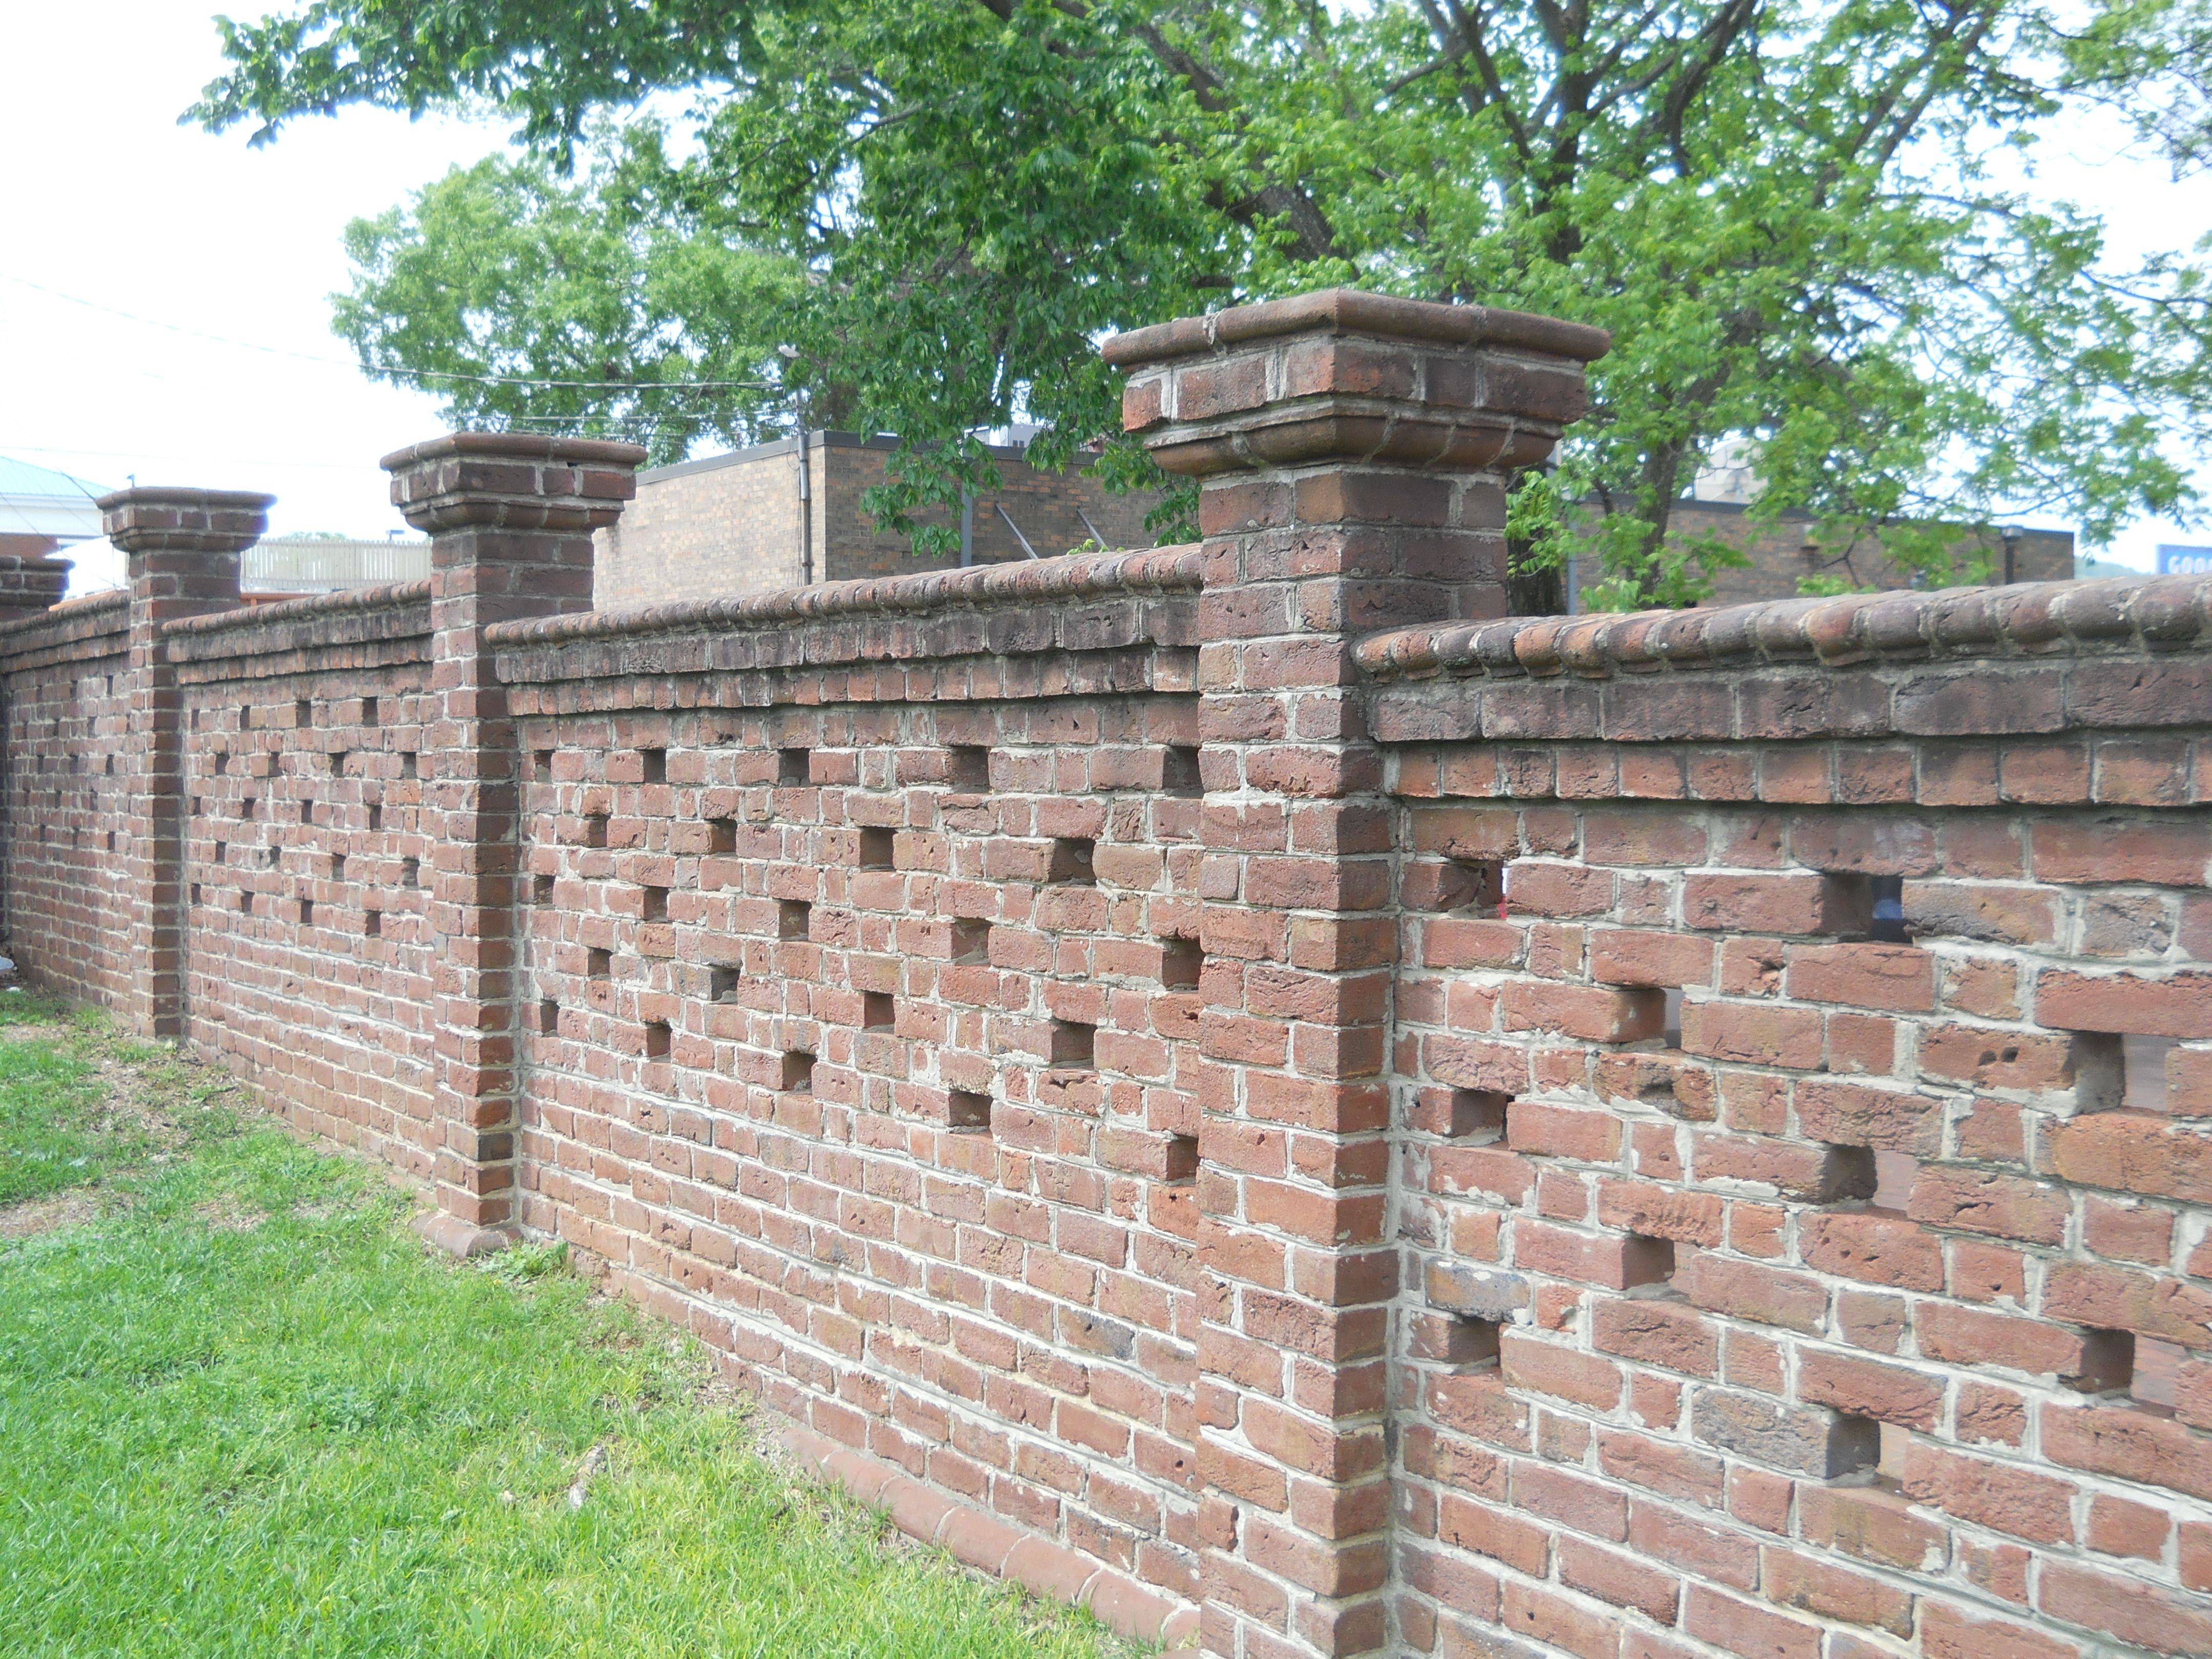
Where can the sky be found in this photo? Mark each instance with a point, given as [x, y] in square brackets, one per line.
[223, 371]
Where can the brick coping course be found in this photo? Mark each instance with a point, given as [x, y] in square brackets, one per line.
[2028, 619]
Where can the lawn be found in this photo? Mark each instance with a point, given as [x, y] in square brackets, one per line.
[244, 1410]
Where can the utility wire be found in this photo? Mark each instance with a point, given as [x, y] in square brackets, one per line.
[410, 373]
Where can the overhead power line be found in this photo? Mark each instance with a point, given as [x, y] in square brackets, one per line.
[407, 373]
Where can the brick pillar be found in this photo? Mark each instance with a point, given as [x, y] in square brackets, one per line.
[31, 582]
[180, 550]
[1353, 452]
[510, 518]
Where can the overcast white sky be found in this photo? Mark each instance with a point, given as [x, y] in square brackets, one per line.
[107, 200]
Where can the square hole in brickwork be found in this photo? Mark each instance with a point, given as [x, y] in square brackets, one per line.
[541, 766]
[876, 842]
[372, 924]
[1893, 1174]
[1074, 1045]
[541, 890]
[2108, 1363]
[653, 903]
[1182, 962]
[656, 1039]
[1454, 1339]
[1182, 1158]
[653, 765]
[375, 816]
[792, 917]
[306, 913]
[549, 1017]
[1670, 1028]
[798, 1072]
[595, 829]
[303, 714]
[410, 872]
[966, 1111]
[1474, 884]
[409, 763]
[307, 812]
[968, 767]
[111, 840]
[245, 904]
[792, 769]
[597, 964]
[1849, 1175]
[1853, 1447]
[971, 939]
[1646, 1261]
[368, 711]
[338, 867]
[1069, 863]
[722, 983]
[1179, 771]
[722, 836]
[879, 1011]
[195, 900]
[1476, 1116]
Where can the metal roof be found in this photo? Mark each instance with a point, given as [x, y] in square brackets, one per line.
[22, 478]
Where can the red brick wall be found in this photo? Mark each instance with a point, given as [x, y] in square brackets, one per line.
[1394, 1126]
[66, 706]
[1774, 1289]
[308, 963]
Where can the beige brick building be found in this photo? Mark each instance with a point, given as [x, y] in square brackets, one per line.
[781, 515]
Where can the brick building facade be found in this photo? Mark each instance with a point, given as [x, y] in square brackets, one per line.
[782, 514]
[1235, 1081]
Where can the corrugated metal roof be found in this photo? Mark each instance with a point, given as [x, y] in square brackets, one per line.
[22, 478]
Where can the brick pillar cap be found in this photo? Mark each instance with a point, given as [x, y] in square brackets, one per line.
[1353, 311]
[179, 519]
[512, 481]
[518, 445]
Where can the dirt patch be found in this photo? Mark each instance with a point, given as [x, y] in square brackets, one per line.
[222, 1215]
[49, 1215]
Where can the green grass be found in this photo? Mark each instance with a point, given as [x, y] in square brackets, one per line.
[243, 1410]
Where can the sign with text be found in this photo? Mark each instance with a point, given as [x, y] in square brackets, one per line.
[2174, 560]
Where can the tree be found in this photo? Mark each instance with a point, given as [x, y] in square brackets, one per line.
[1801, 221]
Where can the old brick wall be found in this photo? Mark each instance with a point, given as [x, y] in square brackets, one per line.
[64, 688]
[1244, 1076]
[307, 960]
[858, 1000]
[1775, 1288]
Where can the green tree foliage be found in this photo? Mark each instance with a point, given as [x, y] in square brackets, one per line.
[1804, 224]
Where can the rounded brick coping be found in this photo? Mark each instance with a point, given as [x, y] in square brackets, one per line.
[2027, 619]
[520, 447]
[391, 597]
[82, 608]
[1124, 1605]
[1355, 311]
[1071, 576]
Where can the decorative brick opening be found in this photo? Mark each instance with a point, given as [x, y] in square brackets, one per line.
[653, 903]
[1069, 862]
[1179, 774]
[797, 1076]
[653, 765]
[879, 1011]
[656, 1039]
[877, 845]
[598, 963]
[723, 981]
[971, 939]
[791, 768]
[793, 917]
[1181, 962]
[1074, 1045]
[968, 767]
[968, 1111]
